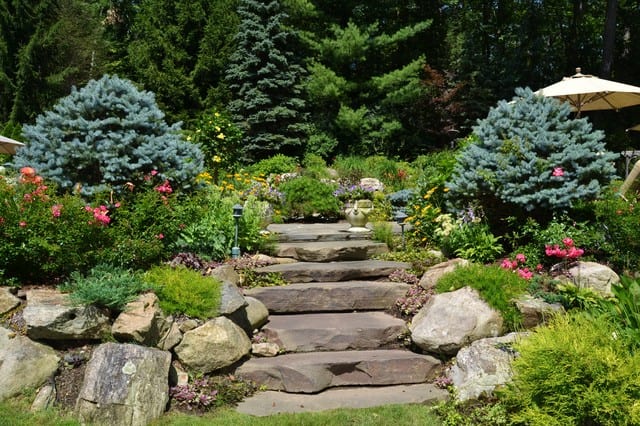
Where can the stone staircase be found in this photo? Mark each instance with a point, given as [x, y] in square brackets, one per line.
[339, 348]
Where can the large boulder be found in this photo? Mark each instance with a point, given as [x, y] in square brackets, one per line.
[449, 321]
[483, 366]
[8, 300]
[216, 344]
[50, 315]
[142, 321]
[594, 276]
[124, 384]
[431, 276]
[23, 363]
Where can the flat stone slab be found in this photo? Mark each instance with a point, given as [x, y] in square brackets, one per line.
[273, 402]
[334, 331]
[299, 232]
[329, 251]
[313, 372]
[329, 296]
[304, 272]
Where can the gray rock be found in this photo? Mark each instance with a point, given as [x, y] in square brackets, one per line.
[431, 276]
[316, 371]
[595, 276]
[124, 384]
[265, 349]
[216, 344]
[7, 300]
[142, 321]
[23, 363]
[257, 312]
[188, 325]
[232, 299]
[443, 327]
[225, 273]
[536, 311]
[45, 398]
[171, 337]
[50, 315]
[483, 366]
[330, 251]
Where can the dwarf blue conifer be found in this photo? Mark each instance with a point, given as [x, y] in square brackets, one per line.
[531, 157]
[104, 135]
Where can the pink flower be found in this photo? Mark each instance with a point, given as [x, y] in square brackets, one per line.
[557, 171]
[22, 224]
[574, 253]
[506, 264]
[154, 172]
[56, 209]
[538, 267]
[521, 258]
[525, 273]
[568, 242]
[160, 236]
[165, 188]
[116, 205]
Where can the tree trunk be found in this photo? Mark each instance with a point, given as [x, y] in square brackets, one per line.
[609, 38]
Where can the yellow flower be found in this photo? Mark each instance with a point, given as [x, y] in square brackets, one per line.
[216, 114]
[446, 189]
[188, 138]
[216, 159]
[217, 128]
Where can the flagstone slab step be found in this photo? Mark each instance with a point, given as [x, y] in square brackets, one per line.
[335, 331]
[303, 272]
[308, 232]
[273, 402]
[329, 296]
[313, 372]
[328, 251]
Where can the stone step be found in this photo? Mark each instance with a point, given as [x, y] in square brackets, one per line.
[273, 402]
[329, 251]
[310, 232]
[329, 296]
[304, 272]
[313, 372]
[335, 331]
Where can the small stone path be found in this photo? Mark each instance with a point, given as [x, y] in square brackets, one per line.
[340, 349]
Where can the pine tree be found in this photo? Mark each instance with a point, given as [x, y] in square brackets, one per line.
[105, 135]
[530, 157]
[264, 78]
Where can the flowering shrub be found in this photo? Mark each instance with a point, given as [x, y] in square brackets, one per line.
[219, 139]
[44, 236]
[415, 298]
[518, 266]
[424, 214]
[200, 394]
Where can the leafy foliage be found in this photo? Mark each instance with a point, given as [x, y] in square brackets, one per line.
[105, 286]
[574, 372]
[497, 286]
[219, 139]
[531, 158]
[185, 291]
[105, 135]
[210, 392]
[306, 197]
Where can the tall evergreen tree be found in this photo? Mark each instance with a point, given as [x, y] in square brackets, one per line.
[264, 79]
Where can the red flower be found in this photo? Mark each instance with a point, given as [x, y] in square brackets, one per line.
[557, 171]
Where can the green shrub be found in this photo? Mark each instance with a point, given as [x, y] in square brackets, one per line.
[351, 168]
[574, 372]
[315, 167]
[531, 159]
[624, 309]
[185, 291]
[307, 198]
[473, 241]
[497, 286]
[276, 165]
[219, 139]
[618, 218]
[105, 286]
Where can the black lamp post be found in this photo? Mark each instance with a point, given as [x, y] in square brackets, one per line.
[237, 214]
[400, 217]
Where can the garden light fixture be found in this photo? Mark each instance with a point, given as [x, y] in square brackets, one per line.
[237, 214]
[400, 217]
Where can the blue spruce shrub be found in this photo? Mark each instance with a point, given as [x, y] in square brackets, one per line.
[530, 158]
[104, 135]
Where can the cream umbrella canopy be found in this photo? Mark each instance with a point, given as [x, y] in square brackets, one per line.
[589, 93]
[636, 128]
[9, 146]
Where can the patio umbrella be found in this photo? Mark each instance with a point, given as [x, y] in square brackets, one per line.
[636, 128]
[8, 146]
[588, 93]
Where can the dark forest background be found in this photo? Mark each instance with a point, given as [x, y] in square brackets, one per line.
[389, 77]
